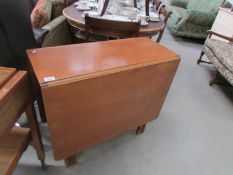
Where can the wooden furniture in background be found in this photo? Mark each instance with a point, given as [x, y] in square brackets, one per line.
[118, 29]
[99, 90]
[76, 20]
[16, 98]
[106, 2]
[219, 53]
[156, 4]
[162, 11]
[5, 75]
[223, 24]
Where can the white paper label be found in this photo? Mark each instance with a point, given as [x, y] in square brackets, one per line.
[46, 79]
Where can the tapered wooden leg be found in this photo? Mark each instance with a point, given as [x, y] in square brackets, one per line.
[199, 59]
[70, 161]
[35, 132]
[141, 129]
[41, 109]
[38, 96]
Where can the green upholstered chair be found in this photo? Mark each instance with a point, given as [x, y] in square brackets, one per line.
[192, 18]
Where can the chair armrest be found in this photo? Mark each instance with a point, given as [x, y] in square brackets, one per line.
[179, 3]
[58, 32]
[54, 23]
[201, 17]
[210, 33]
[39, 35]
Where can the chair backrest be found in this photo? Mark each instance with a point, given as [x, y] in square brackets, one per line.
[135, 3]
[205, 5]
[156, 4]
[16, 33]
[164, 15]
[105, 5]
[119, 29]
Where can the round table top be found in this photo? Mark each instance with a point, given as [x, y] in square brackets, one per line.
[75, 18]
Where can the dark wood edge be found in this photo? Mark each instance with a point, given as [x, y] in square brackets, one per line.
[35, 132]
[106, 2]
[107, 72]
[109, 32]
[37, 94]
[210, 33]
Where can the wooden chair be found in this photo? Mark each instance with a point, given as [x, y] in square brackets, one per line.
[15, 98]
[135, 3]
[163, 13]
[106, 2]
[117, 29]
[156, 4]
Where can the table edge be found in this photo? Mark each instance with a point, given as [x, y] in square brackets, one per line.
[106, 72]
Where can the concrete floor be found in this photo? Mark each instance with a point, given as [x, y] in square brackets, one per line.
[192, 136]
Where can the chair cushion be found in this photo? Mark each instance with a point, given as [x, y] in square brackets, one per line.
[223, 51]
[205, 5]
[227, 74]
[201, 18]
[41, 13]
[178, 13]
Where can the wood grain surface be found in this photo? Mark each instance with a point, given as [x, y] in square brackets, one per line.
[6, 74]
[12, 148]
[89, 59]
[14, 98]
[101, 89]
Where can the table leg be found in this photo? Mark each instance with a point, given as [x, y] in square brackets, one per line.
[35, 132]
[140, 129]
[70, 161]
[38, 96]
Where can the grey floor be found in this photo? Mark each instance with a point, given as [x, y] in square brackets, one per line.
[193, 134]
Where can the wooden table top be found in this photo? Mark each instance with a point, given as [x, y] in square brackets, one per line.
[75, 18]
[81, 60]
[6, 74]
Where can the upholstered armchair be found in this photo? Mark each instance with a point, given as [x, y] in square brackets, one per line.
[47, 15]
[220, 54]
[192, 18]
